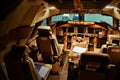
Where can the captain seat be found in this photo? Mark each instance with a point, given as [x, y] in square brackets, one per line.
[48, 45]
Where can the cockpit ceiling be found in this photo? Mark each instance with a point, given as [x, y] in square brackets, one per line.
[17, 13]
[84, 6]
[28, 12]
[7, 6]
[71, 1]
[112, 9]
[10, 5]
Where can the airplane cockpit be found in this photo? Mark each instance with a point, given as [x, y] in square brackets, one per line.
[60, 40]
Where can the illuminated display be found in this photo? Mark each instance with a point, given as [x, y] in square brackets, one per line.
[80, 22]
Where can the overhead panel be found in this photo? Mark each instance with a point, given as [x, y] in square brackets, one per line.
[86, 6]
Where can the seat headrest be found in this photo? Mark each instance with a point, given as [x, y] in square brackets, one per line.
[94, 57]
[44, 31]
[18, 51]
[114, 53]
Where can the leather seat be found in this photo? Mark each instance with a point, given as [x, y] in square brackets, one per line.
[114, 53]
[48, 45]
[20, 66]
[91, 66]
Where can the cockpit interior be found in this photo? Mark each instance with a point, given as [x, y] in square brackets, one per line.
[60, 40]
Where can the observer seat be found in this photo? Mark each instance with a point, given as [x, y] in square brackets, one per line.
[20, 66]
[91, 66]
